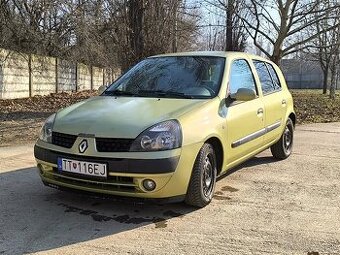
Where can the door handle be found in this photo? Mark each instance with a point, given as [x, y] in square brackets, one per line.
[260, 111]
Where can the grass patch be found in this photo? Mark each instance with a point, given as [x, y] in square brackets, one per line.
[311, 106]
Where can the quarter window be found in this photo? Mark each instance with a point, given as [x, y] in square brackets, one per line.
[275, 78]
[241, 76]
[268, 77]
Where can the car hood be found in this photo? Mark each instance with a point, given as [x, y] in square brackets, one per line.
[120, 117]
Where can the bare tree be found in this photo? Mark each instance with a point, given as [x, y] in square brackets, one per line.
[228, 30]
[152, 28]
[325, 46]
[96, 32]
[284, 24]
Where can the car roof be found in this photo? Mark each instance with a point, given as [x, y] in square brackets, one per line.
[224, 54]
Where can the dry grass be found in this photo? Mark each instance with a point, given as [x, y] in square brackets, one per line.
[21, 119]
[312, 106]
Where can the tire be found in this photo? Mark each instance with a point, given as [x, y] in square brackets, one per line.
[283, 148]
[203, 178]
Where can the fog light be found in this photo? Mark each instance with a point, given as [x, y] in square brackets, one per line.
[149, 185]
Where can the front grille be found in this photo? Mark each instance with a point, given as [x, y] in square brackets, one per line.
[113, 144]
[98, 185]
[63, 140]
[112, 183]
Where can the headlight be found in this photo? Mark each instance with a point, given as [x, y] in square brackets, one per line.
[166, 135]
[46, 131]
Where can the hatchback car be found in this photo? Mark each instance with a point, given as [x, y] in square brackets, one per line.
[169, 126]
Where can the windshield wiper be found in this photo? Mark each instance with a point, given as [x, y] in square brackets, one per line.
[119, 93]
[164, 93]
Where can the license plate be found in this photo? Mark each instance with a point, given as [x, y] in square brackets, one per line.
[82, 167]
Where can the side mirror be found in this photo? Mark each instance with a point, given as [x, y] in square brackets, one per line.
[101, 89]
[244, 94]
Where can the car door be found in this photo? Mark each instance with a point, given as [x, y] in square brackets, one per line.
[273, 98]
[245, 120]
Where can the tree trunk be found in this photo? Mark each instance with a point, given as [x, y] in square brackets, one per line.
[332, 87]
[277, 56]
[334, 70]
[325, 81]
[30, 89]
[337, 78]
[136, 20]
[175, 28]
[229, 26]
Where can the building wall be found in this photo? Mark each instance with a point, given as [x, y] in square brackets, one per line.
[301, 74]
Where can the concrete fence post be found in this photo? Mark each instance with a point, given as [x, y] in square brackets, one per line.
[103, 76]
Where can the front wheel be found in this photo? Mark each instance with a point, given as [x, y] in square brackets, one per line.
[203, 178]
[283, 148]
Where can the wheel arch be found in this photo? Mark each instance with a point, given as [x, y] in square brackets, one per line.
[292, 116]
[218, 148]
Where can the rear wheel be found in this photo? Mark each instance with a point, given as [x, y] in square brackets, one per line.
[203, 178]
[283, 148]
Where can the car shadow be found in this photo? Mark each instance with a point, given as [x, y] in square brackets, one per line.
[37, 218]
[255, 161]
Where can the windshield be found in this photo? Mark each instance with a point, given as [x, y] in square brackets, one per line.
[173, 77]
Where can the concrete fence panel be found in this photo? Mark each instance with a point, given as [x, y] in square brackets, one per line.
[43, 75]
[84, 77]
[110, 75]
[67, 76]
[14, 78]
[107, 76]
[23, 75]
[97, 77]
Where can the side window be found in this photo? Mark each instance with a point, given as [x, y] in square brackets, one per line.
[265, 79]
[241, 76]
[275, 77]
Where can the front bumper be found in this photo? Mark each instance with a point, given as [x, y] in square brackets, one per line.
[170, 170]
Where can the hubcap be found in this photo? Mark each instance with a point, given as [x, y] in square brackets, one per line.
[208, 176]
[287, 139]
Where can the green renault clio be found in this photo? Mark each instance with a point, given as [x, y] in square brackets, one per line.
[168, 127]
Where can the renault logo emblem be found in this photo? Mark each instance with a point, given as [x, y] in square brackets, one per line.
[83, 146]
